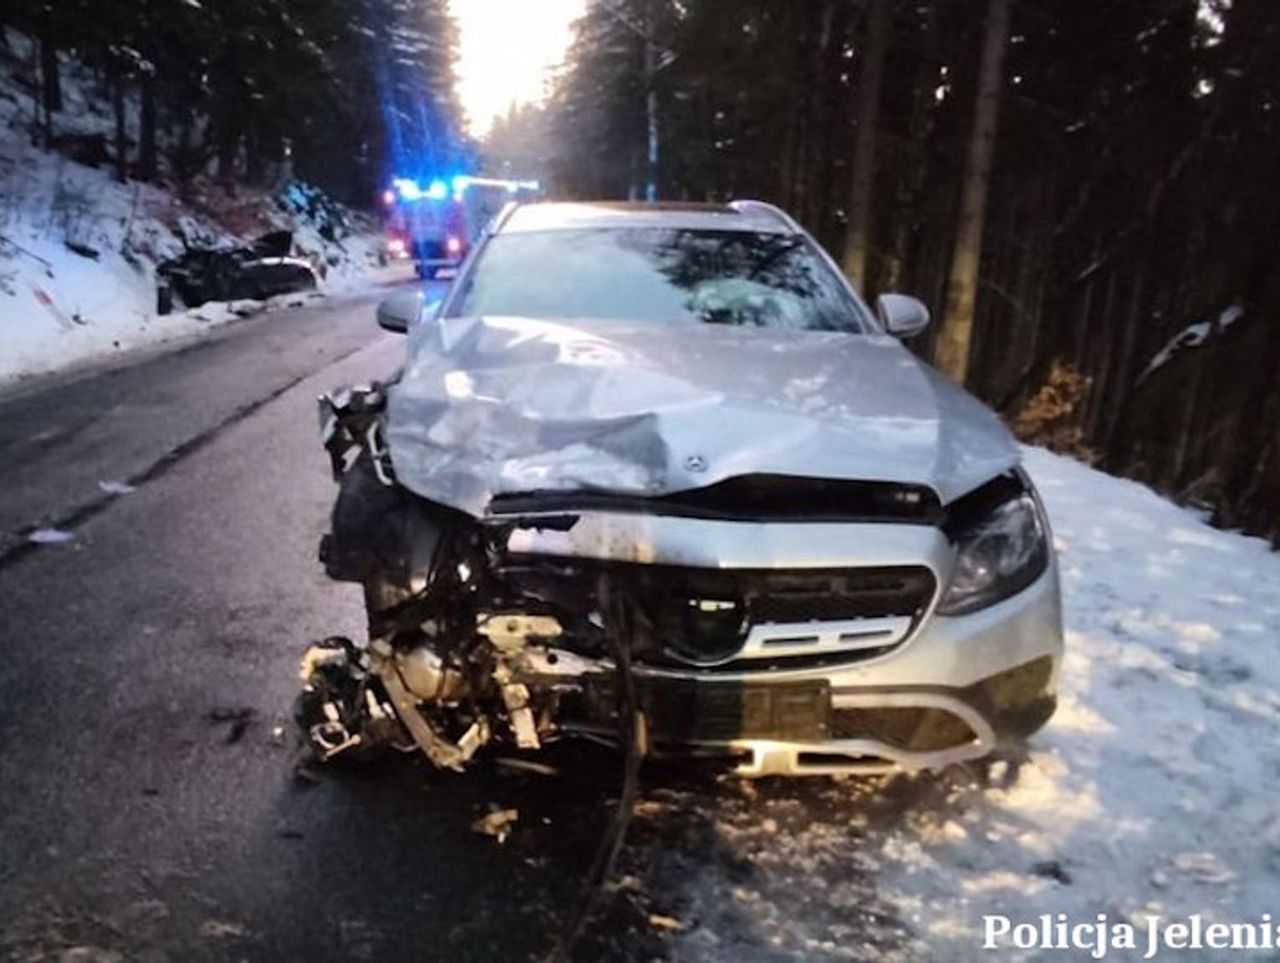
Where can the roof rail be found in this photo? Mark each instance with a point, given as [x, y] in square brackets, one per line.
[769, 210]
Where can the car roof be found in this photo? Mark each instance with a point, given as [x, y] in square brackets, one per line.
[749, 216]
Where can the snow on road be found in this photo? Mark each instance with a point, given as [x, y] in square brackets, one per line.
[1152, 791]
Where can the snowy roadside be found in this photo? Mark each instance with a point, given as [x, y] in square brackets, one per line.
[1152, 791]
[79, 249]
[77, 267]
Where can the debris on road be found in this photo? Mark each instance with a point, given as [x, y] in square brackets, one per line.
[668, 923]
[220, 930]
[89, 954]
[47, 535]
[240, 719]
[497, 823]
[110, 487]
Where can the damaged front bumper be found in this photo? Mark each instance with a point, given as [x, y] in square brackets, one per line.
[778, 646]
[859, 673]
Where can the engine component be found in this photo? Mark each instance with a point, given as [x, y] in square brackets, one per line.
[441, 751]
[511, 632]
[340, 708]
[515, 697]
[425, 675]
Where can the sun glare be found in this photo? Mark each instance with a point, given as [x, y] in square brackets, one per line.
[508, 48]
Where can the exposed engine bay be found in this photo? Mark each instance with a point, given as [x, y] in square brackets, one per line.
[551, 617]
[465, 646]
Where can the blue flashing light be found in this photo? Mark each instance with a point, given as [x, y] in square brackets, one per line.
[407, 188]
[440, 188]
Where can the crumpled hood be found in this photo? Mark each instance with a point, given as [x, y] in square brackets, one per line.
[503, 405]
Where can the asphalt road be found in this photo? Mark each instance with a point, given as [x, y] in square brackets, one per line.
[149, 804]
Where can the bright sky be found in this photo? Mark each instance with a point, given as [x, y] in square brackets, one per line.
[507, 48]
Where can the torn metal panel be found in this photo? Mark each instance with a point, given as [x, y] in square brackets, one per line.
[495, 406]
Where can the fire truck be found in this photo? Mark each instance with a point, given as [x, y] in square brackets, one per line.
[435, 225]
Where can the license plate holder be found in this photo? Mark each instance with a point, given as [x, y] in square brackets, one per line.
[688, 711]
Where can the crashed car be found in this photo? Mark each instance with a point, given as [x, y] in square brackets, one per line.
[655, 475]
[257, 272]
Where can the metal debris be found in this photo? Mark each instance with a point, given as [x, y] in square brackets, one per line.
[497, 823]
[668, 923]
[220, 929]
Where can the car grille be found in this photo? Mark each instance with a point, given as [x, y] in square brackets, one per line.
[734, 620]
[842, 595]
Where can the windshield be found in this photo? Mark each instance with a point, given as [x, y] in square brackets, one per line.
[660, 275]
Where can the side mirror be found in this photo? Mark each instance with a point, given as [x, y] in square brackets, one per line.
[901, 315]
[400, 311]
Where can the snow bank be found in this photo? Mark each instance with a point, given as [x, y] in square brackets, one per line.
[78, 249]
[1151, 792]
[78, 252]
[58, 306]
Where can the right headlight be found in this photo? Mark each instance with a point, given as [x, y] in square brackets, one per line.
[998, 555]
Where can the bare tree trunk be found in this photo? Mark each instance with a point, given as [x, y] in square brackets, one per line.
[827, 64]
[1121, 375]
[122, 139]
[787, 160]
[912, 172]
[1099, 352]
[50, 85]
[147, 130]
[227, 140]
[956, 332]
[858, 233]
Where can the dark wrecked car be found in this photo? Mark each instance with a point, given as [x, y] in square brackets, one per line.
[259, 271]
[655, 475]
